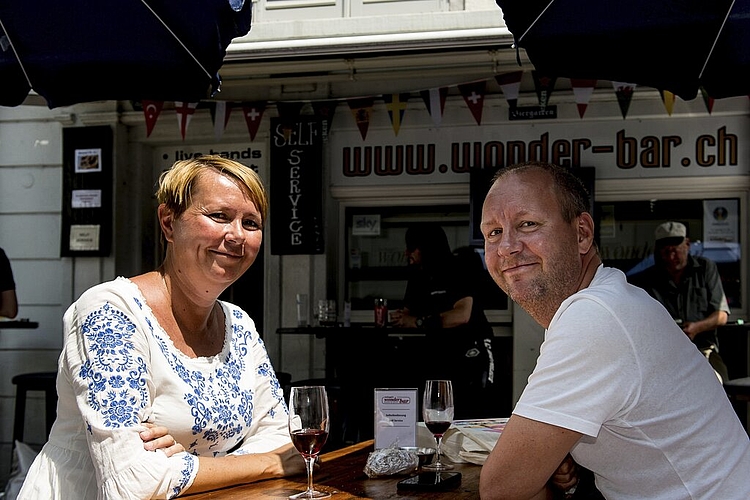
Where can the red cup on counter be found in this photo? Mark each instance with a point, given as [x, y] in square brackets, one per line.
[381, 312]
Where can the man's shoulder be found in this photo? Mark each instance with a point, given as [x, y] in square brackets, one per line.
[644, 276]
[702, 262]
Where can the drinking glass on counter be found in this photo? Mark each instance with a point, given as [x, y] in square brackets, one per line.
[437, 412]
[308, 427]
[326, 312]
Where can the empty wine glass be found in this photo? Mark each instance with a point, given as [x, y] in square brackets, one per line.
[437, 412]
[308, 427]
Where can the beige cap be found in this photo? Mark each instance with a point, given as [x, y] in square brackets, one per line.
[672, 230]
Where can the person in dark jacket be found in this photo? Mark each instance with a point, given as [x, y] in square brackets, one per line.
[689, 287]
[440, 299]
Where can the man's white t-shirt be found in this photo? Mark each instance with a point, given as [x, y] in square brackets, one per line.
[657, 423]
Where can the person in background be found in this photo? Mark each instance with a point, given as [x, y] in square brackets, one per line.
[161, 349]
[617, 387]
[8, 299]
[439, 299]
[690, 288]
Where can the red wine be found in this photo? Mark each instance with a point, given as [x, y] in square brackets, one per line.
[309, 441]
[438, 427]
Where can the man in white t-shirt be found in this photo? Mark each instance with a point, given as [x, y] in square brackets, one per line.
[617, 386]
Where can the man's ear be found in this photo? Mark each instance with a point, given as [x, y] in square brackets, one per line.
[585, 232]
[166, 221]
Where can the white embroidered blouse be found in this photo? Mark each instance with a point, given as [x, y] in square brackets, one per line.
[119, 368]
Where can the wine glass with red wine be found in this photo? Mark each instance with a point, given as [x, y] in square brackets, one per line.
[437, 412]
[308, 427]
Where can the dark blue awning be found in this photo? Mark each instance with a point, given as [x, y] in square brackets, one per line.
[73, 51]
[663, 44]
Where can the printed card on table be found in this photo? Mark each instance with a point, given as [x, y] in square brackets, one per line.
[395, 417]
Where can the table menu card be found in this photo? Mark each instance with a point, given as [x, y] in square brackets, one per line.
[395, 417]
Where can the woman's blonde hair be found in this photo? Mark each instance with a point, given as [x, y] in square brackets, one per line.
[176, 184]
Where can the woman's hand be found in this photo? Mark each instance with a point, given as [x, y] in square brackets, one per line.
[291, 460]
[157, 437]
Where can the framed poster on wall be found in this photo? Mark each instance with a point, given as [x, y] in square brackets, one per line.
[87, 191]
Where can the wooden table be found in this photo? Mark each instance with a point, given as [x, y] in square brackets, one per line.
[341, 473]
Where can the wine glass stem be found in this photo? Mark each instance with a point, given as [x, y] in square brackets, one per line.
[438, 440]
[309, 464]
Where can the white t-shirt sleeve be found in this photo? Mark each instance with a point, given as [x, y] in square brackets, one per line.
[587, 371]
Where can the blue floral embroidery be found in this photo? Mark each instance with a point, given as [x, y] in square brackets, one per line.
[113, 375]
[217, 399]
[185, 474]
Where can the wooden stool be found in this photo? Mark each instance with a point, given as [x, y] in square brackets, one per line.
[41, 381]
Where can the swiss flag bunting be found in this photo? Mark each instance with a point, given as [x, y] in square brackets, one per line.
[396, 106]
[185, 112]
[151, 111]
[582, 91]
[362, 111]
[434, 100]
[220, 111]
[624, 92]
[473, 94]
[253, 113]
[510, 84]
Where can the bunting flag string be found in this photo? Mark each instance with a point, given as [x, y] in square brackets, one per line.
[151, 111]
[544, 86]
[473, 94]
[253, 112]
[624, 92]
[325, 111]
[396, 106]
[708, 100]
[510, 84]
[362, 111]
[582, 91]
[434, 100]
[220, 111]
[185, 112]
[667, 98]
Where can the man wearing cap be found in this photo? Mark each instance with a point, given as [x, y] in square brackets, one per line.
[690, 288]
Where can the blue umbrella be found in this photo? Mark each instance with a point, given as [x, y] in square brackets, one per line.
[73, 51]
[674, 45]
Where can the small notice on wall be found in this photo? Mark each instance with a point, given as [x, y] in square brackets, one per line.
[720, 222]
[84, 237]
[88, 160]
[86, 198]
[366, 225]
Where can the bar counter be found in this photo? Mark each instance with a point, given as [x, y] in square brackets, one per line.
[18, 324]
[362, 357]
[341, 473]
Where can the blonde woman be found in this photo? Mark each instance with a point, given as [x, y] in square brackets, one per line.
[163, 388]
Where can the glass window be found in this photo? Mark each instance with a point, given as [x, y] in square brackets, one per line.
[626, 235]
[375, 244]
